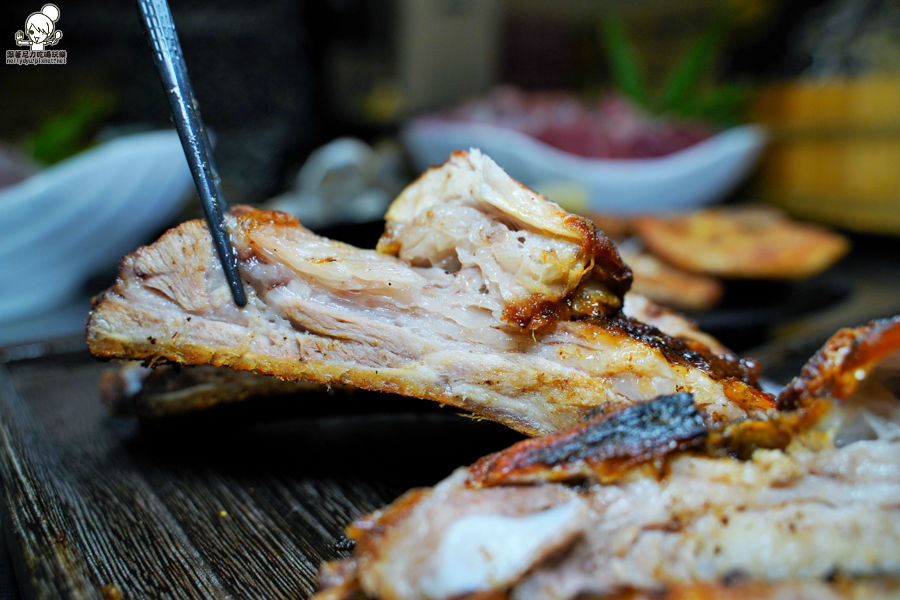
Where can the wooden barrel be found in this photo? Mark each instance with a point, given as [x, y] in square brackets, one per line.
[835, 152]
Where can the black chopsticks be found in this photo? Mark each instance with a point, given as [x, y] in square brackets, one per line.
[160, 29]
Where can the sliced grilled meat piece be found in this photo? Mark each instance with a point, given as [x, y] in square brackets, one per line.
[498, 302]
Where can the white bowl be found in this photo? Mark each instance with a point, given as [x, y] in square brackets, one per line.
[693, 177]
[63, 224]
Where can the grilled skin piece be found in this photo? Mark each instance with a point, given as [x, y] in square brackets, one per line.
[847, 360]
[649, 502]
[484, 296]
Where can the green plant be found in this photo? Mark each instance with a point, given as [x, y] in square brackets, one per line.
[68, 132]
[681, 94]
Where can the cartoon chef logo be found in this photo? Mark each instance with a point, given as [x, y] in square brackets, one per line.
[40, 27]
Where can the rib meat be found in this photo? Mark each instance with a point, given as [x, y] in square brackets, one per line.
[166, 390]
[482, 295]
[650, 502]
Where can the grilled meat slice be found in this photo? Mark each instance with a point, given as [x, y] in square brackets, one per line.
[648, 503]
[166, 390]
[498, 302]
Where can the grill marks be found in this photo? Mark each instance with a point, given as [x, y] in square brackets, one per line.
[680, 352]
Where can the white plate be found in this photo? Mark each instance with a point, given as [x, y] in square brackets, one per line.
[63, 224]
[693, 177]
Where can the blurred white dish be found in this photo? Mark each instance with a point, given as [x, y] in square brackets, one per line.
[63, 224]
[695, 176]
[344, 181]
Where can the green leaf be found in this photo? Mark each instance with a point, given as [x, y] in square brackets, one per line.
[724, 105]
[679, 88]
[727, 104]
[66, 133]
[627, 73]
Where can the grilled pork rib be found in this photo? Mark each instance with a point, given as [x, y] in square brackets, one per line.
[483, 295]
[649, 502]
[166, 390]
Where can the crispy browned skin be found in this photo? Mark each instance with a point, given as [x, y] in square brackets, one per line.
[601, 447]
[617, 227]
[843, 362]
[654, 278]
[748, 242]
[610, 445]
[689, 354]
[672, 323]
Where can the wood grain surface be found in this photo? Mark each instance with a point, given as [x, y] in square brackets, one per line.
[239, 503]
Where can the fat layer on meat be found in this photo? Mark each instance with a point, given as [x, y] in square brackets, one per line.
[483, 295]
[642, 505]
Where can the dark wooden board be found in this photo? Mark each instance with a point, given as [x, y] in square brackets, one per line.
[224, 505]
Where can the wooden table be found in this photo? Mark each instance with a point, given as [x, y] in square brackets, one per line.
[245, 502]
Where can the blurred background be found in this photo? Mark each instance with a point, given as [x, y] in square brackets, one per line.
[782, 114]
